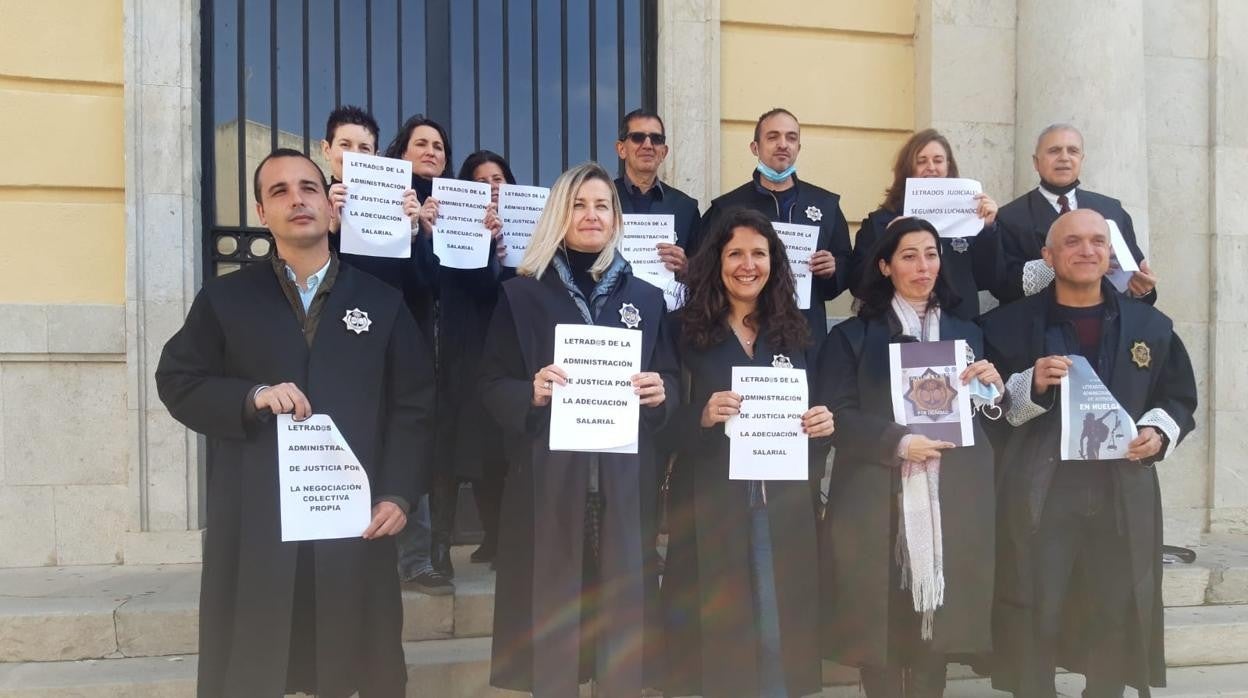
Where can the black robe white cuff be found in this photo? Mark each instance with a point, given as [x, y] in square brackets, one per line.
[1036, 276]
[1022, 409]
[1161, 420]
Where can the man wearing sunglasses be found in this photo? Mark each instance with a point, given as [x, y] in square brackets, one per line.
[643, 147]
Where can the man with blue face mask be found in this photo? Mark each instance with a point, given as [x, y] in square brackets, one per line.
[776, 192]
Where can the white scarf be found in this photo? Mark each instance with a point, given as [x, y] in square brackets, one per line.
[919, 549]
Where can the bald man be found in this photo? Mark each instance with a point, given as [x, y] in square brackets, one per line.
[1083, 536]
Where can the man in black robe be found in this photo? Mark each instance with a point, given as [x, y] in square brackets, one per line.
[300, 335]
[643, 148]
[775, 191]
[1079, 569]
[1025, 221]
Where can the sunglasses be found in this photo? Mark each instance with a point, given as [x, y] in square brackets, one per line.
[639, 137]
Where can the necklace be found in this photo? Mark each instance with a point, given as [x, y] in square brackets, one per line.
[747, 343]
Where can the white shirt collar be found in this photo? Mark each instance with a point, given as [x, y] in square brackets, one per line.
[1052, 198]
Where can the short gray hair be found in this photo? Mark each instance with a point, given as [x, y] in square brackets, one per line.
[1054, 128]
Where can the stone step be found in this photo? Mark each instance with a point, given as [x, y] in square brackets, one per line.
[70, 613]
[1185, 682]
[460, 667]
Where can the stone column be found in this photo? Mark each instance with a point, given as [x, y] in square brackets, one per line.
[964, 85]
[1228, 393]
[688, 78]
[1083, 63]
[163, 224]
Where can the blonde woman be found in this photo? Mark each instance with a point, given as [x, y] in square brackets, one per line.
[577, 590]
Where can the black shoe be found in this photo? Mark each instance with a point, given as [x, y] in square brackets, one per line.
[440, 557]
[484, 553]
[430, 582]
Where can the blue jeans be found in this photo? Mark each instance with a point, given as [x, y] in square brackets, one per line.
[414, 541]
[766, 608]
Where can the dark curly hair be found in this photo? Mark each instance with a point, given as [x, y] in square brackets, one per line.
[875, 292]
[704, 316]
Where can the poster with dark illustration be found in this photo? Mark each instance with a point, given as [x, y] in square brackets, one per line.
[928, 395]
[1094, 425]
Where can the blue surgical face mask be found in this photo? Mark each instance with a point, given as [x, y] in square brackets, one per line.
[983, 397]
[772, 175]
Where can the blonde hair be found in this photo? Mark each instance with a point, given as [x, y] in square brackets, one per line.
[552, 226]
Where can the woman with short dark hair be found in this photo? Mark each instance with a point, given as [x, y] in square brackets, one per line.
[740, 590]
[900, 617]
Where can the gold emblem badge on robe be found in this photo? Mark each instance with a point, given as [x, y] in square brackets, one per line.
[1141, 355]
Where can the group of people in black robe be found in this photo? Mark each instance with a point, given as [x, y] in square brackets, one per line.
[915, 555]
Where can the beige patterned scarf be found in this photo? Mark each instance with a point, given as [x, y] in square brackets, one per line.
[919, 548]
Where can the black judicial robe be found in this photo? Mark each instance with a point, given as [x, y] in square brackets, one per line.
[466, 300]
[682, 207]
[860, 524]
[1024, 223]
[812, 206]
[414, 277]
[540, 589]
[378, 387]
[980, 265]
[707, 588]
[1015, 337]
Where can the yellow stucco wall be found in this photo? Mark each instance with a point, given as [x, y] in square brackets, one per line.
[62, 221]
[845, 68]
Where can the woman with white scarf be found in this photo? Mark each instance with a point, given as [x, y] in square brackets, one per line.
[907, 551]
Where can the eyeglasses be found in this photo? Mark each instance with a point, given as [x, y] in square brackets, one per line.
[639, 137]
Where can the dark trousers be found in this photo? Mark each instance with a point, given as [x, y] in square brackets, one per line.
[914, 669]
[443, 503]
[487, 492]
[1078, 539]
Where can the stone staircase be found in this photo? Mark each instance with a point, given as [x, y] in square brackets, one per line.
[130, 631]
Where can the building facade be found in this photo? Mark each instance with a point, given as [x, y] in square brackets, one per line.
[102, 209]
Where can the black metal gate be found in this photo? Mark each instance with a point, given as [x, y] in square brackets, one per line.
[544, 82]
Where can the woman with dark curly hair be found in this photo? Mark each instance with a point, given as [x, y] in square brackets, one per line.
[740, 590]
[907, 550]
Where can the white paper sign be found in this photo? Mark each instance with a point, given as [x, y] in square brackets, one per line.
[519, 207]
[947, 203]
[597, 410]
[639, 245]
[373, 222]
[800, 242]
[766, 437]
[460, 239]
[323, 490]
[1094, 425]
[1122, 265]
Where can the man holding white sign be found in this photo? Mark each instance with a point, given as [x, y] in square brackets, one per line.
[776, 192]
[1085, 535]
[642, 148]
[299, 336]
